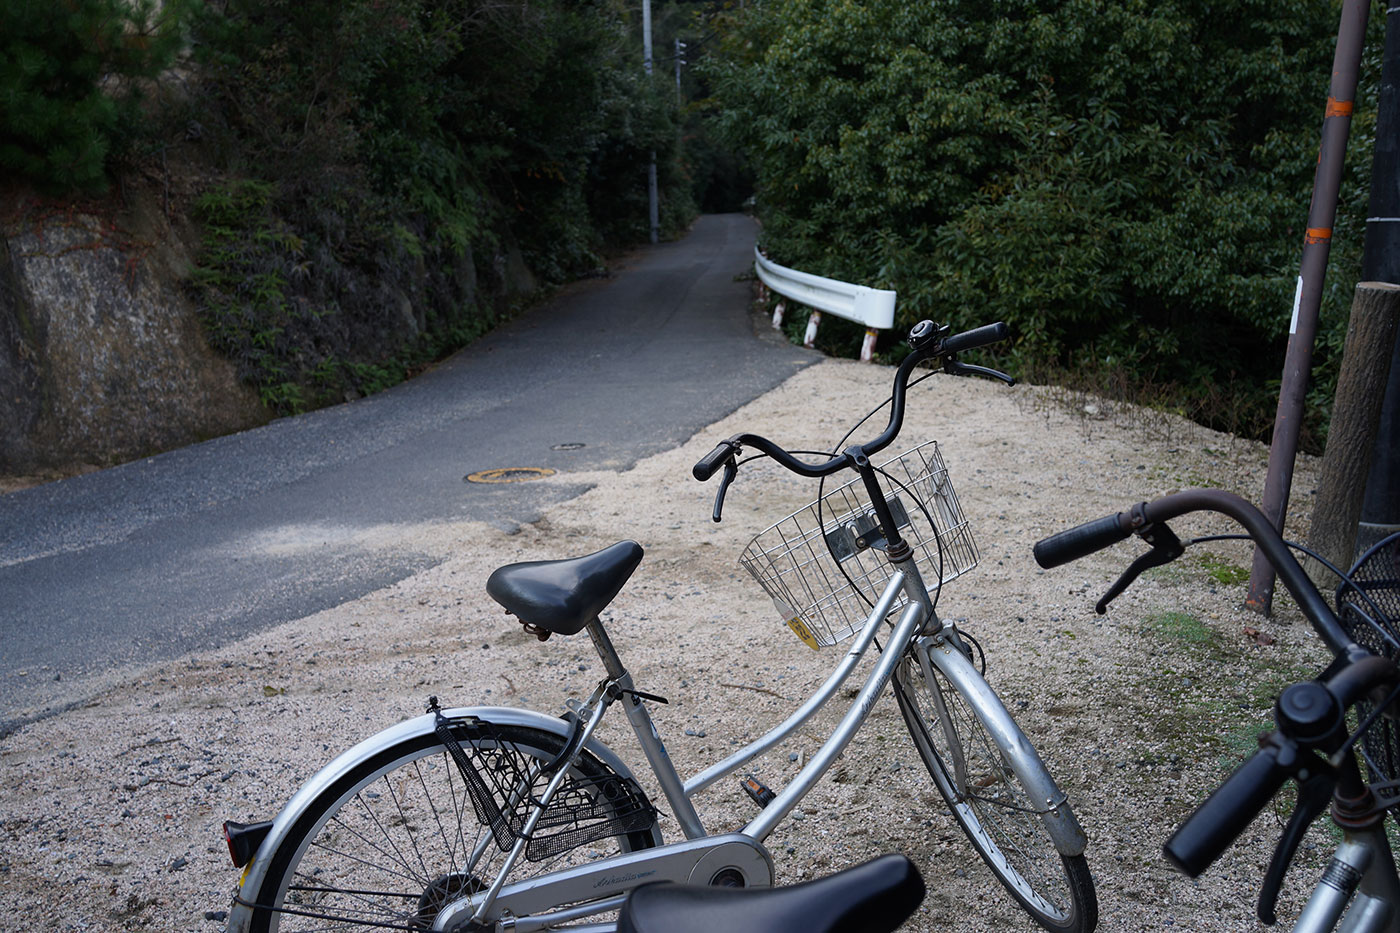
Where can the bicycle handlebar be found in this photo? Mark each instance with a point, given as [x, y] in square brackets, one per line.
[1094, 536]
[1217, 823]
[1080, 541]
[706, 466]
[927, 342]
[977, 337]
[1311, 716]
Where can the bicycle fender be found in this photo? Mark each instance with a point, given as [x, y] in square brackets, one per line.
[1059, 820]
[241, 916]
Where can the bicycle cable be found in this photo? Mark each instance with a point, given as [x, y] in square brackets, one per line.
[1376, 712]
[981, 655]
[879, 649]
[1343, 576]
[938, 542]
[805, 453]
[928, 517]
[1293, 544]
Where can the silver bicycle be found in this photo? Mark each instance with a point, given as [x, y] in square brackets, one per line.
[488, 818]
[1337, 736]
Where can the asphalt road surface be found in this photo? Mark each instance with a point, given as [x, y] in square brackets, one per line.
[204, 545]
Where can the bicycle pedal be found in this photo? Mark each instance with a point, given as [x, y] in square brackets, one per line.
[758, 791]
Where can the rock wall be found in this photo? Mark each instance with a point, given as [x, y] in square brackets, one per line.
[101, 355]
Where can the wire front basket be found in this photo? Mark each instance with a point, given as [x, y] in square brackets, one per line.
[1369, 608]
[824, 565]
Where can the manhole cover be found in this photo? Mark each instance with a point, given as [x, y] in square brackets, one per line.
[509, 475]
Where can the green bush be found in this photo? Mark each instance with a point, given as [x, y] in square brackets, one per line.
[71, 74]
[1124, 183]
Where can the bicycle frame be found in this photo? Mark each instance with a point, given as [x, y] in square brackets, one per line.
[1362, 865]
[701, 859]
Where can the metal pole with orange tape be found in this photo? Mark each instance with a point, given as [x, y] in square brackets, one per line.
[1307, 298]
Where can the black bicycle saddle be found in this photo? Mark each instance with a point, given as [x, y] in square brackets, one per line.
[875, 897]
[562, 596]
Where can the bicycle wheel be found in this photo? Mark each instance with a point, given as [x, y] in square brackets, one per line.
[990, 804]
[405, 832]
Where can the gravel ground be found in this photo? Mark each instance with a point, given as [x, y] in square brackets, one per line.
[110, 812]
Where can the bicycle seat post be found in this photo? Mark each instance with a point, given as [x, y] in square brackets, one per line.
[645, 730]
[612, 664]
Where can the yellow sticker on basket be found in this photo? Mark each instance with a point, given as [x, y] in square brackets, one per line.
[801, 630]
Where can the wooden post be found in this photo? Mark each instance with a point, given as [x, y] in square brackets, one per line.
[1380, 262]
[1356, 411]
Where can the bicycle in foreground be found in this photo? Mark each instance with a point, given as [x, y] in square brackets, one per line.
[1336, 735]
[490, 818]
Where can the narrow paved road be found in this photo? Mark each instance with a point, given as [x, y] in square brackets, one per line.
[203, 545]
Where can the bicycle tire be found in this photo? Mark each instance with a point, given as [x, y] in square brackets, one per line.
[385, 845]
[998, 818]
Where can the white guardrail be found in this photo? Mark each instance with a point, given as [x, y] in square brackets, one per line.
[873, 307]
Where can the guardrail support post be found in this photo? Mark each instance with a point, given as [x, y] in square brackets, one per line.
[778, 316]
[813, 323]
[867, 346]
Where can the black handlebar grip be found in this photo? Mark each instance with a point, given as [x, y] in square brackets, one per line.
[1079, 541]
[1218, 822]
[977, 337]
[712, 461]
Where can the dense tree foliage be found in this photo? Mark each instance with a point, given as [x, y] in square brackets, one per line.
[376, 181]
[386, 159]
[1125, 183]
[71, 74]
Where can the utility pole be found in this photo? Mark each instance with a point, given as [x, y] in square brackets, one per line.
[653, 210]
[1380, 262]
[680, 60]
[1307, 300]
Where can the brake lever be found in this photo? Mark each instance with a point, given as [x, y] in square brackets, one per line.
[955, 368]
[730, 471]
[1314, 794]
[1166, 547]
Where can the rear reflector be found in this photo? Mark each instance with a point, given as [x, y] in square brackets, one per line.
[243, 840]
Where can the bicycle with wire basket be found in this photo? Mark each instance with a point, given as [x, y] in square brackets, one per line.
[489, 818]
[1349, 712]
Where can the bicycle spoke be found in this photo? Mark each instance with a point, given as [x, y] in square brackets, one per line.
[387, 851]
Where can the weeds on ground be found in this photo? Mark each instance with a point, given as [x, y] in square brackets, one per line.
[1222, 571]
[1192, 699]
[1158, 411]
